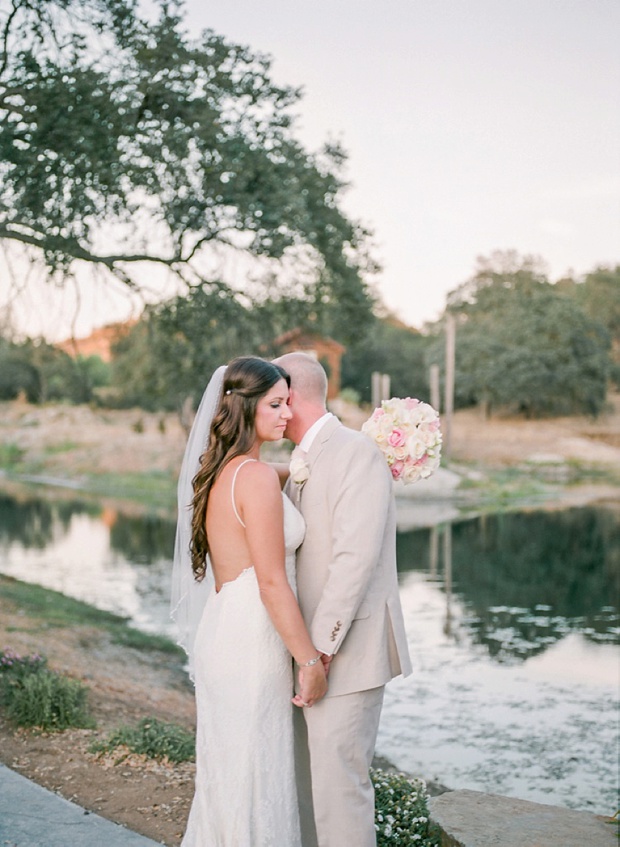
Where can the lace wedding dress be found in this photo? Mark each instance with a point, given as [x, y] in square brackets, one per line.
[245, 779]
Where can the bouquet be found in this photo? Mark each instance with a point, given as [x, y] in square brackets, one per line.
[408, 434]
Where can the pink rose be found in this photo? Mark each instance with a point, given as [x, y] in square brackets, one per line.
[411, 403]
[397, 437]
[397, 469]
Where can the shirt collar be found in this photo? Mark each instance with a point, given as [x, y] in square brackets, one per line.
[306, 442]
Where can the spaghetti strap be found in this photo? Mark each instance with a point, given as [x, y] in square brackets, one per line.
[232, 489]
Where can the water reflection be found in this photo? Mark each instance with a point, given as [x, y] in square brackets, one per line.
[143, 539]
[523, 581]
[34, 523]
[95, 553]
[526, 580]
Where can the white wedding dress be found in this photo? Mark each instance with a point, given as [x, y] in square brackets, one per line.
[245, 776]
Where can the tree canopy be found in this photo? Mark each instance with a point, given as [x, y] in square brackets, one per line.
[523, 344]
[598, 295]
[172, 351]
[124, 143]
[392, 348]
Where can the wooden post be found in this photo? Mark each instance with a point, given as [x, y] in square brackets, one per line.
[449, 387]
[379, 388]
[434, 383]
[447, 575]
[433, 550]
[375, 389]
[385, 387]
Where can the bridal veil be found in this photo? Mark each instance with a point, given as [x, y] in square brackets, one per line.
[188, 597]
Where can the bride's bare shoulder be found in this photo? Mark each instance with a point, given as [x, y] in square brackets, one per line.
[258, 491]
[259, 474]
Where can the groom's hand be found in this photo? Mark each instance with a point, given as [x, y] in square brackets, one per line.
[326, 662]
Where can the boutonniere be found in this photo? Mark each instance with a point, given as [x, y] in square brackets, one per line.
[299, 469]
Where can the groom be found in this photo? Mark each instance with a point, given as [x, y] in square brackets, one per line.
[348, 594]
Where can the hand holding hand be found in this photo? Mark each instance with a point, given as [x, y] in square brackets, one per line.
[313, 682]
[327, 660]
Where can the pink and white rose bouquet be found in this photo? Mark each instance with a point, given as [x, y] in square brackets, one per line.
[408, 433]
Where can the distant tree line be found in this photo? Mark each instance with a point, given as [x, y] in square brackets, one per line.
[523, 345]
[42, 373]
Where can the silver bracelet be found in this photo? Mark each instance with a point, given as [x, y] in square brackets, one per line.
[311, 662]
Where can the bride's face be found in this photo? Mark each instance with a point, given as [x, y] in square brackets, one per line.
[273, 413]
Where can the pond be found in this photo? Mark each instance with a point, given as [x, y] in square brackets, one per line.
[512, 620]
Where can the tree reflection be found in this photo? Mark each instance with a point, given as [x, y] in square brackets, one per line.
[526, 579]
[36, 522]
[143, 540]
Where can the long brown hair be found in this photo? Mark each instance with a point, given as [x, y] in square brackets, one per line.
[232, 433]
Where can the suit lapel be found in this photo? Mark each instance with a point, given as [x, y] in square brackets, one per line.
[321, 440]
[292, 489]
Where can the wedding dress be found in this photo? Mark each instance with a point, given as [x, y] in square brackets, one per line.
[245, 777]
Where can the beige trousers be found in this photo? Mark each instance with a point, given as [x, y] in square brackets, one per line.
[334, 746]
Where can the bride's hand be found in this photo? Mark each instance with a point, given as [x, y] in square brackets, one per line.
[313, 682]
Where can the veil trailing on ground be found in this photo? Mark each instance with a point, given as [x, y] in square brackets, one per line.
[188, 597]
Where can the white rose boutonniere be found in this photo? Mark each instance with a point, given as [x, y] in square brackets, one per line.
[299, 469]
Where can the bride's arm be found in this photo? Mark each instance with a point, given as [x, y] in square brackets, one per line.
[260, 502]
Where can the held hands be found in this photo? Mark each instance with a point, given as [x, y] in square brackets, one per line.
[327, 660]
[313, 685]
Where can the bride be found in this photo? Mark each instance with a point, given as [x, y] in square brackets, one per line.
[234, 599]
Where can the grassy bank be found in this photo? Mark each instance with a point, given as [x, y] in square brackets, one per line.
[56, 611]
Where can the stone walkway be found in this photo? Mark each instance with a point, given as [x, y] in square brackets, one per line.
[31, 816]
[473, 819]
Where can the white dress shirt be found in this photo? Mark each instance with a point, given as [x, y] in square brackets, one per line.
[306, 442]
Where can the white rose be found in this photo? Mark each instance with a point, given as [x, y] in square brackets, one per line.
[299, 470]
[415, 446]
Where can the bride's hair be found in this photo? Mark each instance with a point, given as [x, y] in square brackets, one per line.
[232, 433]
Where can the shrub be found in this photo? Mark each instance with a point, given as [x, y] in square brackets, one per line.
[36, 696]
[10, 454]
[48, 700]
[14, 668]
[153, 738]
[401, 811]
[350, 395]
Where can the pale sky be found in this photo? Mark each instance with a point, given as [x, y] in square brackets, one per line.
[471, 126]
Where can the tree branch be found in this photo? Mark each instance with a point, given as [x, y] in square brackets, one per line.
[77, 251]
[5, 38]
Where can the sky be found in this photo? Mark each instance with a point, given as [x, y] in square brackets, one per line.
[470, 125]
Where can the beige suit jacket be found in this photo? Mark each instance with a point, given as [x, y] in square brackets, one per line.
[346, 567]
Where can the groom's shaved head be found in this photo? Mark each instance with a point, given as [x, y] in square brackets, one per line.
[308, 378]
